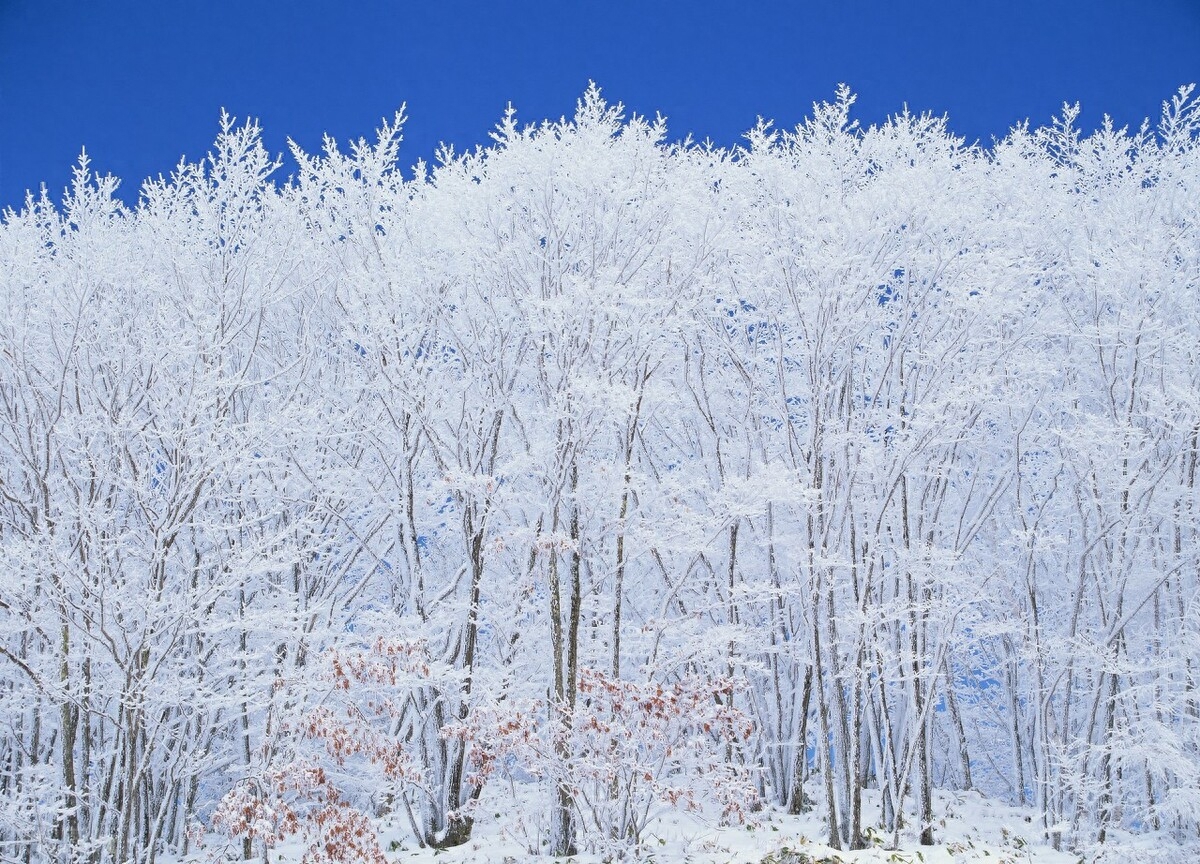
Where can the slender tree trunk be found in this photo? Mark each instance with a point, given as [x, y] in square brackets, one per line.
[795, 800]
[960, 734]
[565, 650]
[622, 516]
[69, 718]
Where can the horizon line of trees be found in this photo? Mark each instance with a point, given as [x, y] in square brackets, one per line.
[621, 474]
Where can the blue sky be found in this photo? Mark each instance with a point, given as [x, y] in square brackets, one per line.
[142, 82]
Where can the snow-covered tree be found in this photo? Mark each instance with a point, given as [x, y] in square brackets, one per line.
[640, 475]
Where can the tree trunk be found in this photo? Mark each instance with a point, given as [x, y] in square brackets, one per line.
[795, 801]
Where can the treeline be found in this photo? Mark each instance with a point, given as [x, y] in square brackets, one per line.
[618, 473]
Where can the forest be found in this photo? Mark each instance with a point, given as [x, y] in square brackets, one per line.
[608, 476]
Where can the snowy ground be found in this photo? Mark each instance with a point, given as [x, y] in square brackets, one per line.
[969, 828]
[974, 830]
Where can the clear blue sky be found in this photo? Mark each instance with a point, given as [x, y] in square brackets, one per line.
[142, 82]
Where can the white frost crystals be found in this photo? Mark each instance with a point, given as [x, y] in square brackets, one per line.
[632, 477]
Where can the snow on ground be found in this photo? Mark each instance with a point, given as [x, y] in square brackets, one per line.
[969, 828]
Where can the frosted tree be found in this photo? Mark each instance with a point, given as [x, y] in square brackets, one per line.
[640, 475]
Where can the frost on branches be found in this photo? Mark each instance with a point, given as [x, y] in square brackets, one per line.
[606, 477]
[633, 751]
[638, 749]
[298, 800]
